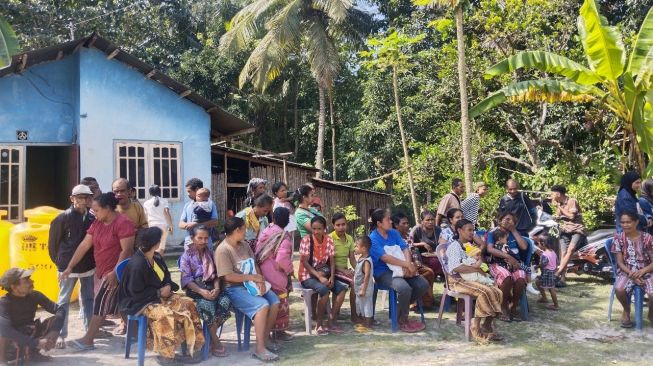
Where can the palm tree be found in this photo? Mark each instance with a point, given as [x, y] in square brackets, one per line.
[8, 44]
[294, 28]
[390, 52]
[457, 6]
[625, 89]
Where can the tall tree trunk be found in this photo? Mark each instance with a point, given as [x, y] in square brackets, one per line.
[404, 145]
[296, 120]
[319, 156]
[333, 138]
[464, 114]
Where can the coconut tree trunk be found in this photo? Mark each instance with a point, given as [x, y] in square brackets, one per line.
[333, 138]
[319, 156]
[296, 120]
[464, 114]
[404, 145]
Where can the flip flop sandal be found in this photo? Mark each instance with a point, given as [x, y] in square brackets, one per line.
[505, 318]
[336, 329]
[360, 328]
[478, 337]
[553, 307]
[273, 347]
[626, 324]
[494, 337]
[265, 357]
[61, 344]
[79, 346]
[407, 328]
[417, 325]
[322, 331]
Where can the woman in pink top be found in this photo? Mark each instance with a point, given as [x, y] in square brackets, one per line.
[274, 254]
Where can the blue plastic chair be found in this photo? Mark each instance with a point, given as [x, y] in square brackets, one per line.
[394, 310]
[240, 318]
[637, 290]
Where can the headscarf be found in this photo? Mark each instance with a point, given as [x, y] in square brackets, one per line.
[627, 181]
[647, 190]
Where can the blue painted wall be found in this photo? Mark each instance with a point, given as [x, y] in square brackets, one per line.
[121, 104]
[43, 101]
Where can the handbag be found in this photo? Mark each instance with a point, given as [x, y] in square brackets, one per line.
[325, 268]
[202, 285]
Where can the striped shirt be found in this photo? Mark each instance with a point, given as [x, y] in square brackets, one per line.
[471, 206]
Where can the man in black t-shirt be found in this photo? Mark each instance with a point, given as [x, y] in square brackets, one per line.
[22, 336]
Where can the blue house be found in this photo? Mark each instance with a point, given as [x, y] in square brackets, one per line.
[87, 108]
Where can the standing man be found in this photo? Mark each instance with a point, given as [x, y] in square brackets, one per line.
[471, 206]
[572, 229]
[21, 335]
[449, 201]
[134, 211]
[67, 231]
[92, 183]
[518, 203]
[186, 221]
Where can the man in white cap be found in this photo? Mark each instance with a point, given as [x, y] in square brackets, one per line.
[21, 336]
[66, 233]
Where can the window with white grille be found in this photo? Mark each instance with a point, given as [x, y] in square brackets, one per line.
[144, 164]
[11, 182]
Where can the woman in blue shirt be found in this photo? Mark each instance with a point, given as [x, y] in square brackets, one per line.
[410, 286]
[627, 201]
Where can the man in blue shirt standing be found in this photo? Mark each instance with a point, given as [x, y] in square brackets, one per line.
[186, 221]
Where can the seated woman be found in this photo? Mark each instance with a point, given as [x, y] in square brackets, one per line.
[425, 237]
[633, 250]
[488, 298]
[230, 256]
[343, 245]
[274, 254]
[146, 288]
[448, 233]
[317, 271]
[199, 278]
[401, 224]
[507, 265]
[410, 286]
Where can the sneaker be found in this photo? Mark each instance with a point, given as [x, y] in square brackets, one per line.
[531, 290]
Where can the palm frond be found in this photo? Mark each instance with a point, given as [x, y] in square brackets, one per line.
[245, 25]
[322, 53]
[335, 9]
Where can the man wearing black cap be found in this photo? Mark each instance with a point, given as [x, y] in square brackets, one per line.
[22, 336]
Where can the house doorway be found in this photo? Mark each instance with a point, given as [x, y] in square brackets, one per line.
[50, 174]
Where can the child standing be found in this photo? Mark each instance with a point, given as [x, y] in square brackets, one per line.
[547, 278]
[364, 284]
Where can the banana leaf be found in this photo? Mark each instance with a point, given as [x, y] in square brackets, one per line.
[546, 62]
[602, 43]
[543, 90]
[641, 58]
[8, 44]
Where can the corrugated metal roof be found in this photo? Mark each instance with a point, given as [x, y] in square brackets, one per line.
[223, 124]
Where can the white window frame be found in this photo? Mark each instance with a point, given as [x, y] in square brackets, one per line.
[149, 158]
[20, 205]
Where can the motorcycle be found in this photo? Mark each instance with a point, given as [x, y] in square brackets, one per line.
[590, 257]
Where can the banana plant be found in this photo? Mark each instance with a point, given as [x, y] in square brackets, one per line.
[612, 81]
[8, 44]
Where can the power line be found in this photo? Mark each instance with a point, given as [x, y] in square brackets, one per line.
[71, 25]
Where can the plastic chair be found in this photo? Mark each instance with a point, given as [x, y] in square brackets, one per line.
[638, 292]
[393, 306]
[523, 301]
[240, 317]
[440, 250]
[307, 295]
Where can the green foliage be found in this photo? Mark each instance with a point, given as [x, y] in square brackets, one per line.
[8, 43]
[593, 195]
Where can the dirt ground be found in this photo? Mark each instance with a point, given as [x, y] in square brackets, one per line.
[578, 334]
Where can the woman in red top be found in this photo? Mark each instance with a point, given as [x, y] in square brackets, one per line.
[112, 238]
[317, 272]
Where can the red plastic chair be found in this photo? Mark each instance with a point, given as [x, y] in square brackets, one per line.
[467, 299]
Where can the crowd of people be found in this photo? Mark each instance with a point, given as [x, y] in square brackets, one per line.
[248, 267]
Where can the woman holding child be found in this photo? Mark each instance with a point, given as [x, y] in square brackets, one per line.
[488, 298]
[256, 218]
[508, 252]
[408, 284]
[199, 278]
[274, 254]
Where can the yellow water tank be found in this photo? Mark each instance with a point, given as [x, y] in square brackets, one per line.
[5, 227]
[29, 249]
[42, 214]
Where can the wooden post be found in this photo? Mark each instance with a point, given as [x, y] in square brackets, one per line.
[226, 188]
[285, 172]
